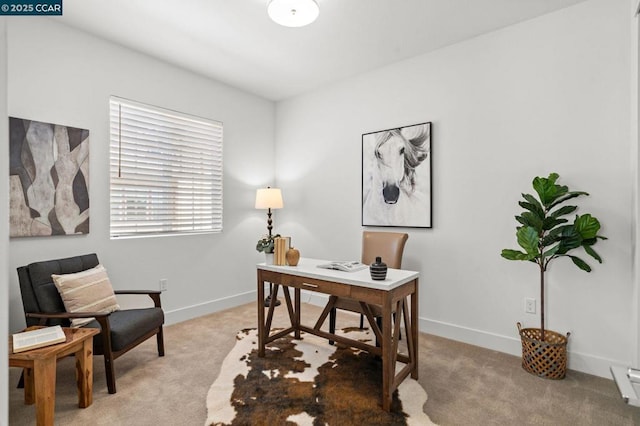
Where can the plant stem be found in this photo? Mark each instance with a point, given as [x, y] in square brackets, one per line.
[542, 268]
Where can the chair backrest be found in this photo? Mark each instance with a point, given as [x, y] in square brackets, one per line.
[387, 245]
[39, 293]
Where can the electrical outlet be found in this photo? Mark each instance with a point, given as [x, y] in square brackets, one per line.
[163, 284]
[530, 305]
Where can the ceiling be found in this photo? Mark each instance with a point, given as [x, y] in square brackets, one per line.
[234, 41]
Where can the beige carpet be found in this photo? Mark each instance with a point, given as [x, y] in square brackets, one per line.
[467, 385]
[305, 382]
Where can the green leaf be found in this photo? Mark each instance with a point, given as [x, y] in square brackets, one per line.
[550, 239]
[515, 255]
[530, 198]
[560, 229]
[551, 222]
[580, 263]
[531, 220]
[563, 211]
[569, 196]
[532, 208]
[533, 204]
[570, 239]
[591, 252]
[587, 226]
[547, 189]
[528, 240]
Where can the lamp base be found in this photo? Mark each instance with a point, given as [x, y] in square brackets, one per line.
[267, 302]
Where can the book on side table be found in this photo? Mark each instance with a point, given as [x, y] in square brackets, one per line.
[38, 338]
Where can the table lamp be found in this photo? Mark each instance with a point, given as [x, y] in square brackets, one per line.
[269, 198]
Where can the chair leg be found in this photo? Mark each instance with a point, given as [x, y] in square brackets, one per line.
[110, 372]
[332, 323]
[21, 381]
[160, 338]
[361, 321]
[399, 332]
[379, 321]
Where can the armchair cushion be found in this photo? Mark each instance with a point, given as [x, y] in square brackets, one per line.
[86, 291]
[127, 326]
[39, 294]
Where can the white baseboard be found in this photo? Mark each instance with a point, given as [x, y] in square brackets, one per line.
[205, 308]
[577, 361]
[585, 363]
[317, 299]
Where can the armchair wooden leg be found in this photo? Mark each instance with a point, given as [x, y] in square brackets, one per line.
[160, 338]
[21, 381]
[110, 372]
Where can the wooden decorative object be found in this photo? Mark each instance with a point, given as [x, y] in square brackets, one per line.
[293, 256]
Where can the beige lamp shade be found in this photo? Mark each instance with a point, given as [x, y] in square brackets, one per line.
[269, 198]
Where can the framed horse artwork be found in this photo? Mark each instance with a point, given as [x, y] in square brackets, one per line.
[396, 177]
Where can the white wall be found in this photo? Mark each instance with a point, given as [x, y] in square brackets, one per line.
[60, 75]
[547, 95]
[551, 94]
[4, 230]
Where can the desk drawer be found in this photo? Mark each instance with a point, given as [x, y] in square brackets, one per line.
[335, 289]
[304, 283]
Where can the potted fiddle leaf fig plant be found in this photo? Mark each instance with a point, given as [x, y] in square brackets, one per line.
[545, 234]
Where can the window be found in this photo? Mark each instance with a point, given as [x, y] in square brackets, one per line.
[166, 171]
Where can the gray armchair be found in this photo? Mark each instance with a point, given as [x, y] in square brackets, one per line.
[121, 330]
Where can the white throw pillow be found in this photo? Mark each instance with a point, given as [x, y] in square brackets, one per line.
[86, 291]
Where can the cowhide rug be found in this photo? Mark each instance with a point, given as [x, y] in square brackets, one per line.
[308, 382]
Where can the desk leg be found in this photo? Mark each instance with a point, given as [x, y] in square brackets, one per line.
[261, 331]
[414, 330]
[44, 372]
[387, 356]
[296, 302]
[84, 373]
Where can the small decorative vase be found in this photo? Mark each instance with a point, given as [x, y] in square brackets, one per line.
[378, 270]
[268, 258]
[293, 256]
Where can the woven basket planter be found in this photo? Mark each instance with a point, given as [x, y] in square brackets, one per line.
[548, 358]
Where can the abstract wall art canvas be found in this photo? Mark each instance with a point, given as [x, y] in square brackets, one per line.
[49, 179]
[396, 177]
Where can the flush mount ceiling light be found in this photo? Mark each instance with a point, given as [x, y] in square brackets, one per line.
[293, 13]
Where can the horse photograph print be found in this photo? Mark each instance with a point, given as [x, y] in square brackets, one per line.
[396, 177]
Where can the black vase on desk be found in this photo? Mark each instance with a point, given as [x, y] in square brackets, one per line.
[378, 270]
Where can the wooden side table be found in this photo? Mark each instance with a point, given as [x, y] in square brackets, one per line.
[40, 371]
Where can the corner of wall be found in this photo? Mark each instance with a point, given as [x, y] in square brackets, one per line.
[635, 161]
[4, 231]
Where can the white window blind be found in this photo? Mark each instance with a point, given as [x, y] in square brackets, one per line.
[166, 171]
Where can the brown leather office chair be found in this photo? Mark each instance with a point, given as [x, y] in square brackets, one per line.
[121, 330]
[387, 245]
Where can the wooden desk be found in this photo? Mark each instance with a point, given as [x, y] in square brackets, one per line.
[391, 294]
[40, 371]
